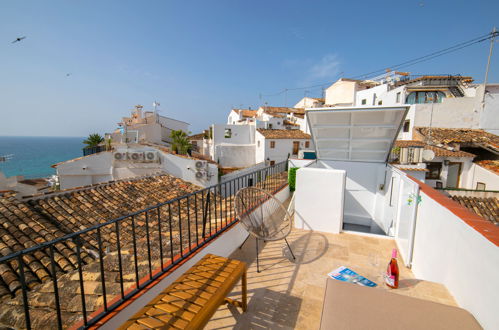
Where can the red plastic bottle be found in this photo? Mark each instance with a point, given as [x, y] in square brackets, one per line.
[392, 272]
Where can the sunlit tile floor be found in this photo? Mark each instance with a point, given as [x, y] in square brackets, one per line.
[288, 293]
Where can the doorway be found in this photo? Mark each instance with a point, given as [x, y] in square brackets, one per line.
[453, 175]
[296, 147]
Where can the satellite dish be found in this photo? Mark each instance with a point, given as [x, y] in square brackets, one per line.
[428, 155]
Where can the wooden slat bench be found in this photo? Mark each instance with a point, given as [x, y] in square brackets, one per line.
[190, 301]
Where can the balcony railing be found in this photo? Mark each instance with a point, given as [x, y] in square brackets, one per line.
[123, 255]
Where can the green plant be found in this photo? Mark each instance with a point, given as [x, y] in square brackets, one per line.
[292, 178]
[93, 140]
[180, 142]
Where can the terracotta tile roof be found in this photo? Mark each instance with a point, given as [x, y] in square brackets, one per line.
[464, 136]
[409, 143]
[492, 165]
[486, 207]
[199, 136]
[439, 152]
[248, 113]
[299, 115]
[286, 110]
[283, 134]
[287, 122]
[24, 224]
[417, 169]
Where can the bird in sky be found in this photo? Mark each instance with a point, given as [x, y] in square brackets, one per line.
[18, 39]
[68, 74]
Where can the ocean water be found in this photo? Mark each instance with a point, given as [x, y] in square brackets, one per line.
[33, 156]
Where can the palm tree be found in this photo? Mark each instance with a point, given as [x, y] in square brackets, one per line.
[180, 142]
[93, 140]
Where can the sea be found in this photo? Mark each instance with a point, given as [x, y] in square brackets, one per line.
[32, 156]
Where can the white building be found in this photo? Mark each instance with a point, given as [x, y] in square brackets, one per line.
[242, 117]
[147, 126]
[309, 102]
[276, 145]
[134, 161]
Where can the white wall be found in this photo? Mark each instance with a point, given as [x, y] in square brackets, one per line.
[85, 171]
[102, 167]
[283, 148]
[319, 199]
[449, 251]
[233, 118]
[241, 134]
[173, 124]
[259, 148]
[459, 112]
[235, 155]
[341, 93]
[481, 174]
[489, 118]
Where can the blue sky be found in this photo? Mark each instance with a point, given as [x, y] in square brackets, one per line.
[200, 58]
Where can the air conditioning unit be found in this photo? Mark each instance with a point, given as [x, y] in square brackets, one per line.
[200, 174]
[136, 156]
[201, 164]
[119, 155]
[151, 156]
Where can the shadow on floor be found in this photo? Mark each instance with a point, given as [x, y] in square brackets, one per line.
[268, 309]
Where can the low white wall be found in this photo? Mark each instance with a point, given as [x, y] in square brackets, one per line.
[235, 155]
[449, 251]
[222, 246]
[480, 174]
[235, 174]
[300, 162]
[319, 199]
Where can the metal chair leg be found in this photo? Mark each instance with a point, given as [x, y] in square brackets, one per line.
[257, 261]
[289, 247]
[241, 246]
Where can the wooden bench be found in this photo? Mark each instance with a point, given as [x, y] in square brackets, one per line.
[190, 301]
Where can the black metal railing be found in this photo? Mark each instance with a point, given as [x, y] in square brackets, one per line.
[121, 256]
[93, 150]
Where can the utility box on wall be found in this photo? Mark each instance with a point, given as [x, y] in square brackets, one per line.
[319, 199]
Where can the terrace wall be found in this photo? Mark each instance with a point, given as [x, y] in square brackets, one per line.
[451, 247]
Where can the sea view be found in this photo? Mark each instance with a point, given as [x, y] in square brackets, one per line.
[32, 156]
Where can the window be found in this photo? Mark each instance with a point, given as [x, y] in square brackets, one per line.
[407, 126]
[480, 186]
[272, 162]
[425, 97]
[228, 133]
[270, 126]
[307, 144]
[434, 170]
[258, 143]
[380, 102]
[364, 101]
[272, 144]
[374, 98]
[398, 97]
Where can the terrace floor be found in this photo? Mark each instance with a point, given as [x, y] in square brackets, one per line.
[286, 294]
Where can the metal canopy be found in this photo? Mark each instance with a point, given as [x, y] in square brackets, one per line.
[355, 134]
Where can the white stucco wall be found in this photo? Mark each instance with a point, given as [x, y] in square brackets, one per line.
[341, 93]
[481, 174]
[173, 124]
[489, 118]
[459, 112]
[283, 148]
[233, 118]
[241, 134]
[449, 251]
[235, 155]
[319, 198]
[259, 148]
[102, 167]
